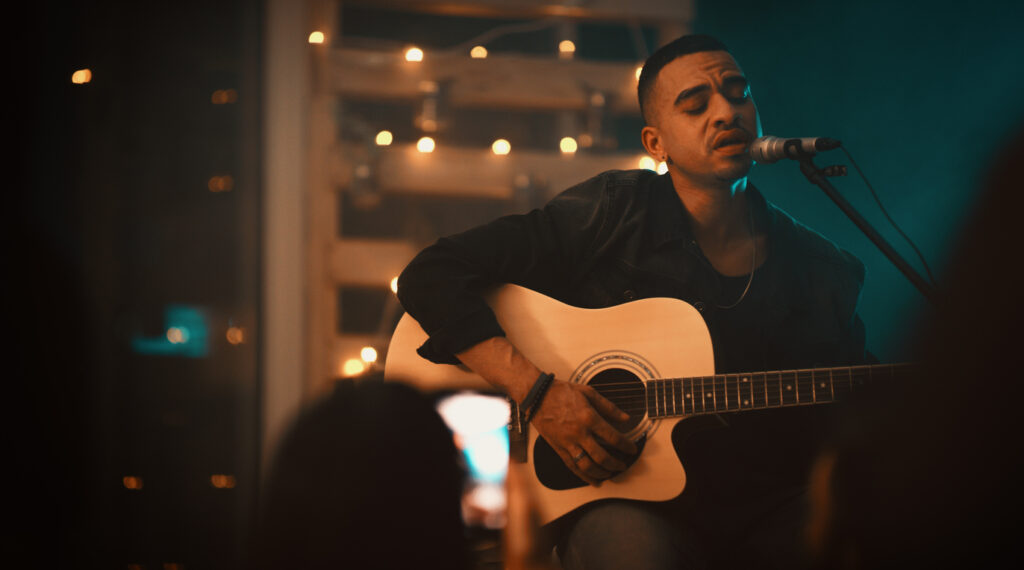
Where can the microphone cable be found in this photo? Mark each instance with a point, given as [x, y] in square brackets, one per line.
[888, 217]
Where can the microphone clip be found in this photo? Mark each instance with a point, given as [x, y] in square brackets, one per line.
[834, 170]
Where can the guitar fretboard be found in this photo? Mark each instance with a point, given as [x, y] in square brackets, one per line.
[761, 390]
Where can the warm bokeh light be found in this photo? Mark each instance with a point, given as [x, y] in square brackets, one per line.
[501, 147]
[384, 138]
[235, 335]
[133, 483]
[368, 354]
[177, 335]
[478, 52]
[414, 54]
[224, 96]
[648, 163]
[394, 284]
[425, 144]
[353, 367]
[222, 481]
[566, 49]
[639, 69]
[662, 168]
[81, 76]
[568, 145]
[220, 184]
[316, 37]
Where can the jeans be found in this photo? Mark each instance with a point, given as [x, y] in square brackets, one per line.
[621, 534]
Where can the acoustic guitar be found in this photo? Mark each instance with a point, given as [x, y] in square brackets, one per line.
[652, 358]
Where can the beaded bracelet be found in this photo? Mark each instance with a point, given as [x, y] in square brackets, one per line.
[533, 399]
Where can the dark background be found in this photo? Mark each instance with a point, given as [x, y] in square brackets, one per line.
[109, 220]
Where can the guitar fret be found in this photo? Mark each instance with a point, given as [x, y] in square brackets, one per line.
[832, 385]
[730, 384]
[652, 405]
[744, 392]
[788, 391]
[772, 391]
[675, 411]
[759, 391]
[804, 387]
[687, 396]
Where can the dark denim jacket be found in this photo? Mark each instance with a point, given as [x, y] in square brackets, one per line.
[624, 235]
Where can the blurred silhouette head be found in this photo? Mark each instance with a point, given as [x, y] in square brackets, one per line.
[368, 477]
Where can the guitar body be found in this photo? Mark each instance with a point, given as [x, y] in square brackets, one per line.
[616, 350]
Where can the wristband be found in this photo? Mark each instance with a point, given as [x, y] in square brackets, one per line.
[533, 399]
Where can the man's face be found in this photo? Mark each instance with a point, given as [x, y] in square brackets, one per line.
[704, 118]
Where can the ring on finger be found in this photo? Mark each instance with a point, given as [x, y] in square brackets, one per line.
[576, 458]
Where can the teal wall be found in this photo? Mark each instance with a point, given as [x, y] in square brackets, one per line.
[920, 93]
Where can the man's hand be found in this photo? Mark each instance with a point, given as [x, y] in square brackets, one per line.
[574, 418]
[578, 423]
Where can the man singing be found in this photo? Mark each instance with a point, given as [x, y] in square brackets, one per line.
[773, 293]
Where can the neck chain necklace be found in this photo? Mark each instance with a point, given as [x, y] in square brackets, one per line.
[753, 261]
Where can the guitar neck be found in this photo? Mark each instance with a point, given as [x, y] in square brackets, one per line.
[670, 397]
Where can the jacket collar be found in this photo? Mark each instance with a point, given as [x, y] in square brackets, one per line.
[669, 221]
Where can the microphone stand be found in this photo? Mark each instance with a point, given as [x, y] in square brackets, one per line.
[818, 177]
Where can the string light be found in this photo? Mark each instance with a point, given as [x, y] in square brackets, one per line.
[177, 335]
[478, 52]
[353, 367]
[220, 184]
[368, 354]
[235, 335]
[222, 481]
[316, 37]
[566, 49]
[567, 145]
[414, 54]
[384, 138]
[224, 96]
[501, 147]
[132, 483]
[425, 145]
[648, 163]
[81, 76]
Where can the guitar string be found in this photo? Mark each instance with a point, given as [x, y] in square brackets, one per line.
[855, 371]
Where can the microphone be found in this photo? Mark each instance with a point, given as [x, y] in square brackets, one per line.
[767, 150]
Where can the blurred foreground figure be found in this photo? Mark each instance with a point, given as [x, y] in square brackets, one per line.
[366, 478]
[925, 474]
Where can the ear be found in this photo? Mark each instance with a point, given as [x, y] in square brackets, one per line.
[651, 138]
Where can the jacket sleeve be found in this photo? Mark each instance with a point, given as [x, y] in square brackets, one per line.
[545, 250]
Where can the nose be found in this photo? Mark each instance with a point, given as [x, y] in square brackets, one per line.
[723, 111]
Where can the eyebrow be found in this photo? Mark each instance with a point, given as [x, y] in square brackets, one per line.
[728, 82]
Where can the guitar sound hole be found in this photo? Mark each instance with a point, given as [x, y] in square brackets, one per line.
[622, 388]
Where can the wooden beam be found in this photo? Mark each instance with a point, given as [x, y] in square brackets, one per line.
[471, 172]
[499, 81]
[653, 11]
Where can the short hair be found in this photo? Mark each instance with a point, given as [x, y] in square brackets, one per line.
[685, 45]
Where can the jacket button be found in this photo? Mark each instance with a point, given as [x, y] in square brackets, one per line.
[699, 305]
[629, 294]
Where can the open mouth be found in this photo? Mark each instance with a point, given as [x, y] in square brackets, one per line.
[732, 142]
